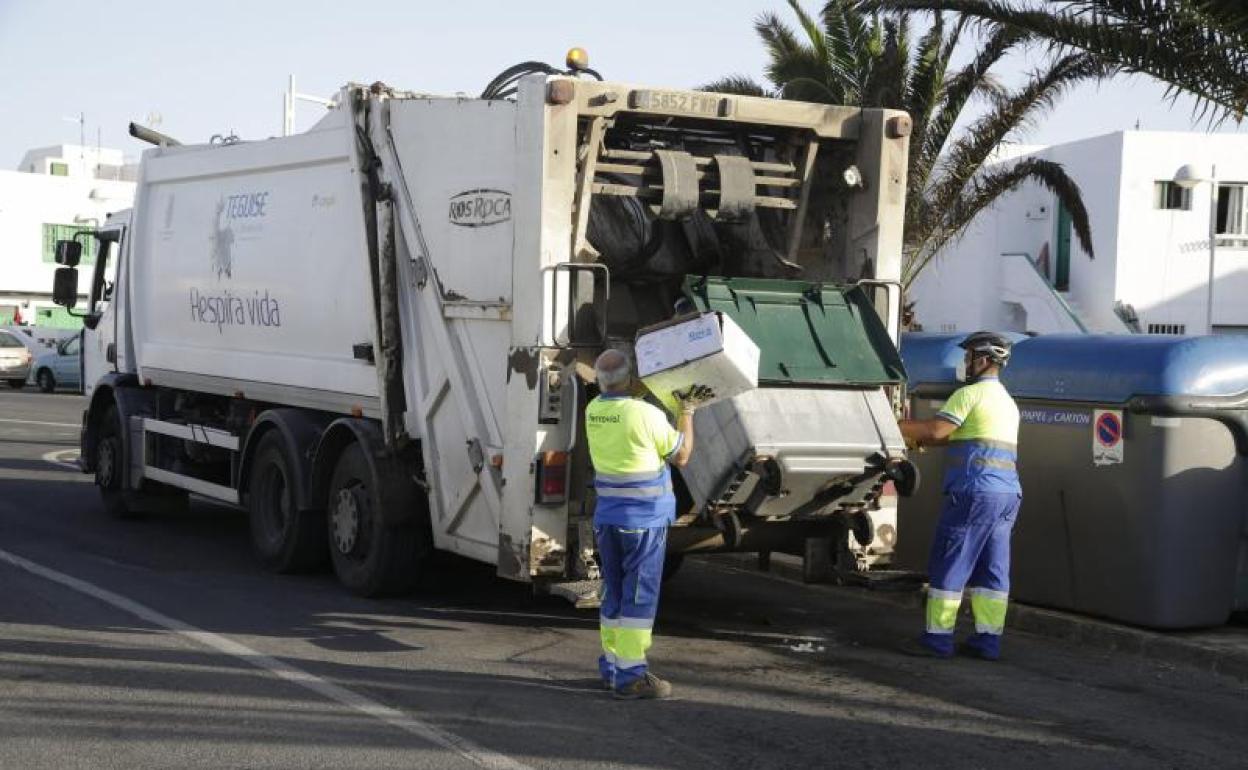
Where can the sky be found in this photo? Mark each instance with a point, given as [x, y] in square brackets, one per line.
[199, 69]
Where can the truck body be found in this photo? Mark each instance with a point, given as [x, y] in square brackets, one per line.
[378, 335]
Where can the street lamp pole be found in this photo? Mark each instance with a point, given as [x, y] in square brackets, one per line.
[288, 105]
[1213, 246]
[1188, 177]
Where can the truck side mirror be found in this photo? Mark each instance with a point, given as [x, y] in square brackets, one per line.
[68, 253]
[65, 284]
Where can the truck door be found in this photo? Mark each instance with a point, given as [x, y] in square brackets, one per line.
[98, 351]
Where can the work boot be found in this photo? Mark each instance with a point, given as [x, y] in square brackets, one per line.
[982, 651]
[646, 688]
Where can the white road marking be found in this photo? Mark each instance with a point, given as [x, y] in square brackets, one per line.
[37, 422]
[478, 755]
[63, 458]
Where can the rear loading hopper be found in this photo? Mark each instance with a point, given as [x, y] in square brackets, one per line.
[816, 441]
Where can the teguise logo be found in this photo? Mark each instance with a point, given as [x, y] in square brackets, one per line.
[222, 238]
[244, 209]
[479, 208]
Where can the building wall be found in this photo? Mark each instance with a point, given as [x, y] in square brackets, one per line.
[28, 202]
[960, 290]
[1153, 260]
[1164, 258]
[77, 160]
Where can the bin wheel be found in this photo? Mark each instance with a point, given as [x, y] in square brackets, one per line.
[905, 476]
[862, 527]
[285, 538]
[370, 556]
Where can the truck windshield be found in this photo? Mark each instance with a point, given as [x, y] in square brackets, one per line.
[101, 283]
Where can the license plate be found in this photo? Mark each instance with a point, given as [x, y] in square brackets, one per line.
[682, 103]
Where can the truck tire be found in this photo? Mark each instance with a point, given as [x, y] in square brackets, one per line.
[371, 558]
[47, 382]
[285, 538]
[17, 384]
[109, 457]
[121, 503]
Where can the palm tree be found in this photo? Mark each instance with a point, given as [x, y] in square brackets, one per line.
[1198, 47]
[848, 56]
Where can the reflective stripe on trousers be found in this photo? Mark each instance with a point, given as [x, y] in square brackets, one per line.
[971, 548]
[632, 571]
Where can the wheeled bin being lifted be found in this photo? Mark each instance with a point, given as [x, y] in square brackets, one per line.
[1132, 458]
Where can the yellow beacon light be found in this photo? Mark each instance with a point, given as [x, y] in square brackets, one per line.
[577, 59]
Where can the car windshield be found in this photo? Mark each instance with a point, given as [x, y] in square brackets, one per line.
[9, 341]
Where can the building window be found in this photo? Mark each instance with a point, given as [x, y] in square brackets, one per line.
[59, 169]
[1169, 196]
[1232, 209]
[54, 233]
[1167, 328]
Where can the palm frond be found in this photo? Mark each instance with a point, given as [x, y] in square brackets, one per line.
[740, 85]
[988, 187]
[972, 149]
[799, 71]
[1199, 47]
[975, 78]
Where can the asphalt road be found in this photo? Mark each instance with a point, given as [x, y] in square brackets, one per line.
[160, 643]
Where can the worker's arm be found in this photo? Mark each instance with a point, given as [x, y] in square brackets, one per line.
[937, 430]
[684, 424]
[933, 432]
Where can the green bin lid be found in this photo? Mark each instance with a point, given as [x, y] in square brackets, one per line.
[807, 333]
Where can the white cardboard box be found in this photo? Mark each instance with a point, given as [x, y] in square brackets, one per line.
[709, 349]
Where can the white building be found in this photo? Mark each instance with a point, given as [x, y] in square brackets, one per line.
[1019, 267]
[57, 192]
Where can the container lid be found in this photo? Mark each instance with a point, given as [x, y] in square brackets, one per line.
[807, 333]
[1115, 368]
[1110, 369]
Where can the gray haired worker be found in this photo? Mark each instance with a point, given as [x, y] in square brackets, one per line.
[631, 443]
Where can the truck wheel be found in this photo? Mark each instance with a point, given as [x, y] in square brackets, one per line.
[109, 458]
[124, 503]
[285, 538]
[371, 558]
[47, 383]
[17, 384]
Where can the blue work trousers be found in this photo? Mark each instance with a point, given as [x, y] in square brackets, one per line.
[971, 550]
[631, 559]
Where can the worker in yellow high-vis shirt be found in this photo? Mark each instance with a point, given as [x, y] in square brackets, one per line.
[630, 443]
[971, 548]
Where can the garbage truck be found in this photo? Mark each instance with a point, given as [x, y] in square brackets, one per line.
[377, 336]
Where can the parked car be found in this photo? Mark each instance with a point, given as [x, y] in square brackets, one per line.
[15, 359]
[60, 367]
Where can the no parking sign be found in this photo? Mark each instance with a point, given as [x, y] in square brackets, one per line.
[1107, 444]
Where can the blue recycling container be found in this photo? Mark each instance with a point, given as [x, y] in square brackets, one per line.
[1132, 459]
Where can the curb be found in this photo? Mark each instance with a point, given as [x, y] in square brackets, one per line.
[1171, 648]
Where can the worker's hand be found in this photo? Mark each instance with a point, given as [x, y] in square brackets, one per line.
[694, 397]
